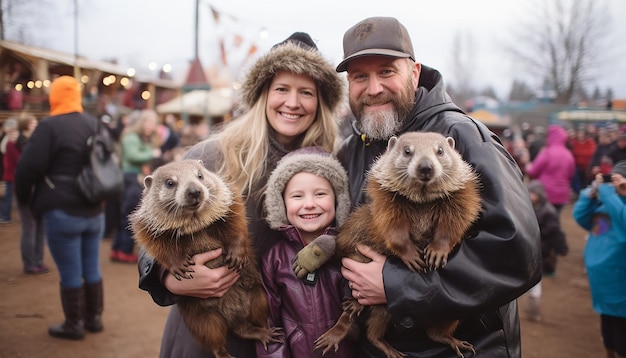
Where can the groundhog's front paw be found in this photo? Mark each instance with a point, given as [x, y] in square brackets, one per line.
[183, 270]
[273, 335]
[235, 260]
[436, 256]
[328, 342]
[352, 308]
[412, 258]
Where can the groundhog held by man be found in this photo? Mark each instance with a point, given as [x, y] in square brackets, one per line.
[423, 199]
[186, 209]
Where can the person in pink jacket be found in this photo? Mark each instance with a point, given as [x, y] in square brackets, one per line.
[554, 167]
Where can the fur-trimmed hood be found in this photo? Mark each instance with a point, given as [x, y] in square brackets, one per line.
[293, 57]
[314, 160]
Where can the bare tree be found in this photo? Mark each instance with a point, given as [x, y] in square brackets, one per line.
[24, 21]
[563, 43]
[520, 91]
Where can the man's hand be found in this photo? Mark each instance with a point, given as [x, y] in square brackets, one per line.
[206, 282]
[366, 279]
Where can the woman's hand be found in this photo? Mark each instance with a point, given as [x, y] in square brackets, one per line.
[206, 282]
[366, 279]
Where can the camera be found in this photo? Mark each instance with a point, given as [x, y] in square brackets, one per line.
[606, 178]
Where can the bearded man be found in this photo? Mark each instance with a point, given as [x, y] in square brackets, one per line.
[499, 259]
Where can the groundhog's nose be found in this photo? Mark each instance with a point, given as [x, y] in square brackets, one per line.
[425, 170]
[193, 193]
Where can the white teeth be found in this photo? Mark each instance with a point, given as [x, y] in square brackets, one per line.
[290, 116]
[310, 216]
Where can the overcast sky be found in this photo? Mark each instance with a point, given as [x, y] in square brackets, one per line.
[137, 32]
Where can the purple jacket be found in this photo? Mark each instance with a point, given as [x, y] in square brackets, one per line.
[304, 311]
[554, 166]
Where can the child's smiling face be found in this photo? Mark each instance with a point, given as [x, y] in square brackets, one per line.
[310, 204]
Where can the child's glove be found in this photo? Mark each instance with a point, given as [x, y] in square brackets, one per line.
[314, 255]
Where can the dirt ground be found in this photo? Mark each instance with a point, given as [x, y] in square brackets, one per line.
[133, 323]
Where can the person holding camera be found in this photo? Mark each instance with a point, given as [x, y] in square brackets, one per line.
[601, 210]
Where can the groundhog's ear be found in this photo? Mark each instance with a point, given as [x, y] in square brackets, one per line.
[147, 182]
[451, 142]
[392, 142]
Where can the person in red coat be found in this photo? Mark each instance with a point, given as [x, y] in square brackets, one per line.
[583, 148]
[9, 163]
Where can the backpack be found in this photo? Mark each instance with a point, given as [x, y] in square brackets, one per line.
[101, 178]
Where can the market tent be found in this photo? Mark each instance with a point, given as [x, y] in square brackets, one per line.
[592, 116]
[490, 119]
[214, 103]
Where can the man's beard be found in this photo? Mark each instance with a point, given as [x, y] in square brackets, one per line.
[383, 124]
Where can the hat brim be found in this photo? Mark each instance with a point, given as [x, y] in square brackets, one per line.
[343, 65]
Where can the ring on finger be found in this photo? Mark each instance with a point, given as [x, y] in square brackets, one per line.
[358, 295]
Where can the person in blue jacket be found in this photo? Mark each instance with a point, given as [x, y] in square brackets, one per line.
[601, 210]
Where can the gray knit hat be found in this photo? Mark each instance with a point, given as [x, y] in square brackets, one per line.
[314, 160]
[296, 55]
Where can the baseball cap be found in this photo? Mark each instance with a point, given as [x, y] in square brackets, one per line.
[383, 36]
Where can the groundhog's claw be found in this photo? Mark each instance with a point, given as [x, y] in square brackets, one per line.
[412, 258]
[436, 257]
[416, 264]
[273, 337]
[189, 262]
[327, 342]
[353, 308]
[182, 272]
[458, 344]
[235, 263]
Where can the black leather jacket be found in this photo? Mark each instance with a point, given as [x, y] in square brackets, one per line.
[498, 261]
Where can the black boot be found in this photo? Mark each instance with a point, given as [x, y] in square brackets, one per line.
[73, 301]
[93, 307]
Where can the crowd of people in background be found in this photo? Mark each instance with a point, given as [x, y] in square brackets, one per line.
[591, 148]
[585, 166]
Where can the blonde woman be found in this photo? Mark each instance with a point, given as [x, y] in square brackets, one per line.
[140, 145]
[289, 98]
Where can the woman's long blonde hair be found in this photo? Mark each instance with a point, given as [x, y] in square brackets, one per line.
[136, 126]
[245, 142]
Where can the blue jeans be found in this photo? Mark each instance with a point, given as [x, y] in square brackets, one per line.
[32, 239]
[74, 243]
[7, 202]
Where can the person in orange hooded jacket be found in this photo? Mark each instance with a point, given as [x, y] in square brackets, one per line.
[45, 180]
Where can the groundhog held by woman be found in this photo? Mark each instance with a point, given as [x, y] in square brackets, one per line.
[186, 209]
[423, 199]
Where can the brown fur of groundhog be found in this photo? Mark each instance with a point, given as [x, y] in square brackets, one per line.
[185, 210]
[424, 198]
